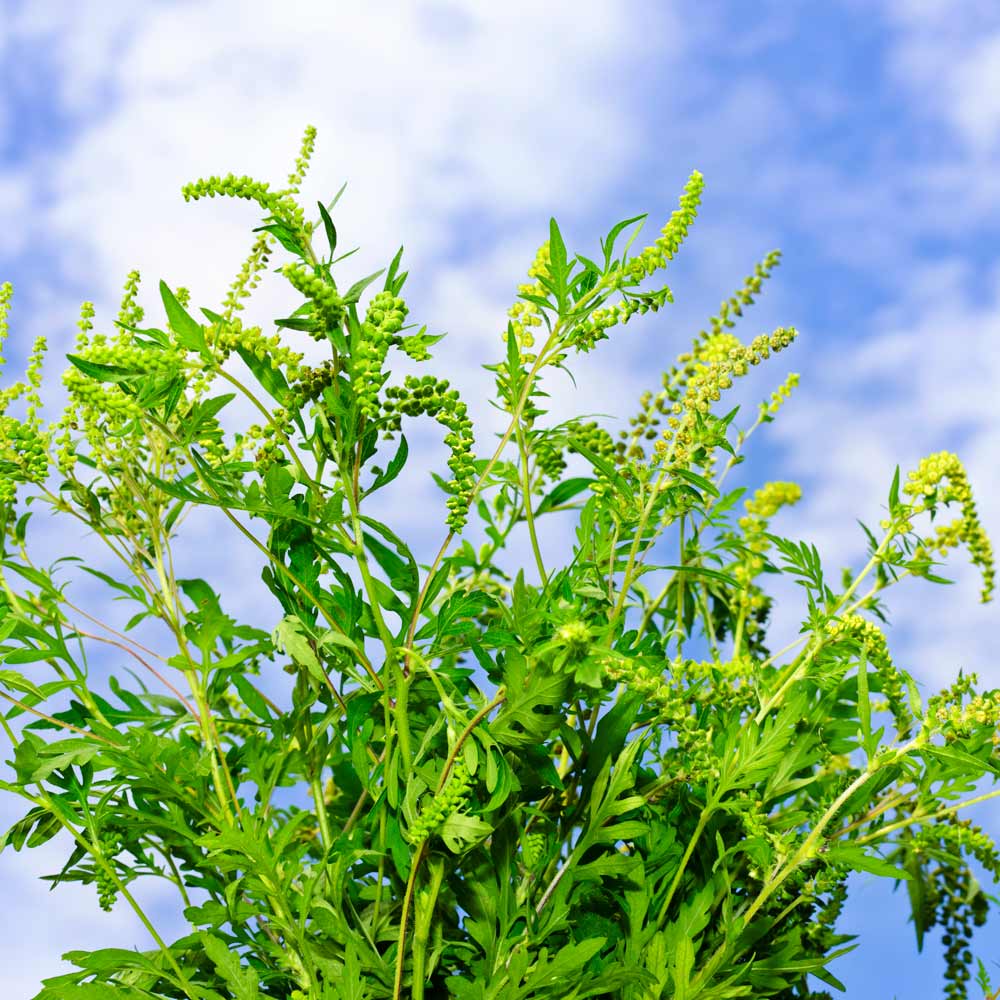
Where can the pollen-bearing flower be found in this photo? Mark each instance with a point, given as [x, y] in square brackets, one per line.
[941, 478]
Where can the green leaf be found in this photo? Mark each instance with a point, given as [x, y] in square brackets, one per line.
[894, 493]
[566, 490]
[530, 712]
[17, 682]
[859, 860]
[242, 981]
[271, 379]
[290, 637]
[354, 292]
[865, 706]
[606, 469]
[285, 236]
[608, 243]
[104, 373]
[700, 481]
[392, 470]
[331, 229]
[711, 574]
[460, 832]
[252, 698]
[557, 262]
[92, 991]
[393, 268]
[190, 333]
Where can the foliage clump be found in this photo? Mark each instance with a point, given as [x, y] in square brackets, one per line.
[597, 782]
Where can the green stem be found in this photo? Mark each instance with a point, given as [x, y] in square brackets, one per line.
[706, 815]
[422, 918]
[397, 991]
[680, 591]
[919, 816]
[522, 446]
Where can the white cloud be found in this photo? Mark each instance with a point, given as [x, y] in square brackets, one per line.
[948, 56]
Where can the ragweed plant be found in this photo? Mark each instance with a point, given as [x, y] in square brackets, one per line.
[462, 783]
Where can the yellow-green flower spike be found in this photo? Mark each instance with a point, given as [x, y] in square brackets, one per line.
[296, 177]
[281, 206]
[733, 306]
[655, 257]
[249, 277]
[6, 293]
[779, 396]
[760, 508]
[706, 385]
[872, 640]
[328, 306]
[431, 396]
[440, 806]
[941, 478]
[525, 316]
[383, 320]
[704, 348]
[130, 313]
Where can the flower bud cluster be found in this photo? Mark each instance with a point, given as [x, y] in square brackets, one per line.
[673, 703]
[103, 409]
[24, 444]
[524, 315]
[951, 899]
[248, 278]
[574, 637]
[548, 458]
[754, 818]
[779, 396]
[383, 320]
[328, 306]
[964, 836]
[958, 721]
[705, 387]
[927, 481]
[765, 503]
[224, 338]
[731, 681]
[131, 313]
[296, 177]
[744, 297]
[947, 711]
[589, 332]
[830, 879]
[441, 805]
[270, 439]
[599, 442]
[857, 629]
[109, 844]
[532, 848]
[313, 380]
[432, 396]
[548, 448]
[666, 246]
[282, 206]
[674, 381]
[414, 347]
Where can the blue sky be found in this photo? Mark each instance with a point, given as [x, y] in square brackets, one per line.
[860, 138]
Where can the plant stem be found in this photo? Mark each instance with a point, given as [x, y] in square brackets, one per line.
[529, 514]
[423, 916]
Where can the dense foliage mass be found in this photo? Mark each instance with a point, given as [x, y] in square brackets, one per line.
[603, 783]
